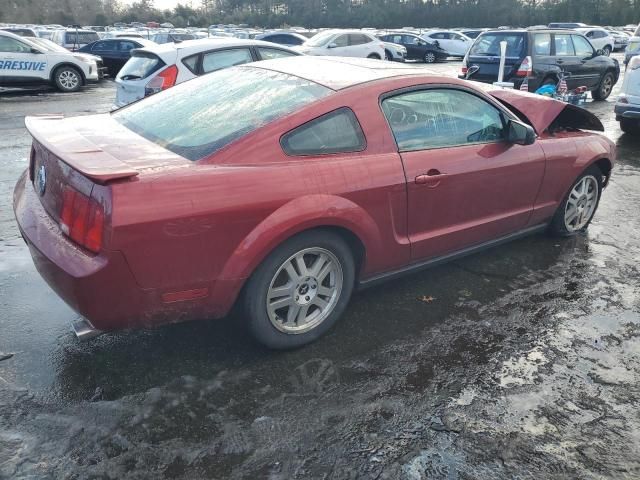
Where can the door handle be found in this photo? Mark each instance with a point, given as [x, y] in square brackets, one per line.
[431, 179]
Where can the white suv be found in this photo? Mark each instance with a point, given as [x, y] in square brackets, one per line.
[344, 43]
[24, 62]
[158, 67]
[600, 38]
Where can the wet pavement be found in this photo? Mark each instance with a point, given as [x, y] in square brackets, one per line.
[520, 362]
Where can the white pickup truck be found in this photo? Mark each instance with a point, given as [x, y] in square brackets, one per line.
[25, 61]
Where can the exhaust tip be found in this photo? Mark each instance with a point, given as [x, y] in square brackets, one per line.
[84, 330]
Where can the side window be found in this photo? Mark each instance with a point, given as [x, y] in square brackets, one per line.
[439, 118]
[590, 34]
[341, 41]
[411, 40]
[542, 44]
[269, 53]
[101, 47]
[12, 45]
[213, 61]
[191, 63]
[126, 45]
[437, 36]
[455, 36]
[582, 46]
[564, 46]
[396, 39]
[335, 132]
[358, 39]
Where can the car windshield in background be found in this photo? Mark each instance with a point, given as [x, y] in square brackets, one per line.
[319, 40]
[82, 37]
[199, 117]
[140, 65]
[488, 45]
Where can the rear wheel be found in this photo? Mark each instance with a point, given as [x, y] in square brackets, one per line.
[68, 79]
[628, 125]
[579, 206]
[430, 57]
[604, 89]
[606, 50]
[300, 290]
[374, 56]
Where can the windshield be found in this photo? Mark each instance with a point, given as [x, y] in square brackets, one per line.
[319, 39]
[199, 117]
[489, 44]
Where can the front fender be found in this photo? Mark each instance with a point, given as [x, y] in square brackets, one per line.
[301, 214]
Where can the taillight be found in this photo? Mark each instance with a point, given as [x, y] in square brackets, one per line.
[165, 79]
[465, 63]
[526, 67]
[82, 219]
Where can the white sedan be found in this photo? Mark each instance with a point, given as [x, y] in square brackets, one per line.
[456, 44]
[344, 43]
[158, 67]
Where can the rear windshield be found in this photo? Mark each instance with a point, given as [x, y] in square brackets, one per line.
[81, 37]
[140, 65]
[488, 44]
[199, 117]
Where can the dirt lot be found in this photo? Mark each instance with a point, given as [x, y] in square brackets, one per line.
[521, 362]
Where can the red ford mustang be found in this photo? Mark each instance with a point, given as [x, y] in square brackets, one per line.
[285, 184]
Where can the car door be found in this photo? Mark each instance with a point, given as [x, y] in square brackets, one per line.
[458, 44]
[19, 64]
[360, 45]
[124, 51]
[567, 60]
[229, 57]
[414, 45]
[590, 70]
[465, 184]
[107, 50]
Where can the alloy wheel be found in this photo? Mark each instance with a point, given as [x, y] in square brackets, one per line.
[581, 204]
[430, 57]
[68, 79]
[304, 290]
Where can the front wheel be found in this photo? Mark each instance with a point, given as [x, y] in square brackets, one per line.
[300, 290]
[604, 89]
[429, 57]
[579, 206]
[68, 79]
[606, 51]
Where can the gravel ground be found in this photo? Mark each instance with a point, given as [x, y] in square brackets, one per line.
[520, 362]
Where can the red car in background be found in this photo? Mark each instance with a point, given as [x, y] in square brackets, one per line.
[285, 184]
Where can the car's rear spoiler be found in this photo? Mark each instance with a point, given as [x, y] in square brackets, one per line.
[542, 112]
[76, 151]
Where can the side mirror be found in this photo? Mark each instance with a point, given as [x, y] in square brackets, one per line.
[35, 50]
[332, 45]
[519, 133]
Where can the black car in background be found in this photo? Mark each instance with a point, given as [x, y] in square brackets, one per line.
[115, 52]
[543, 56]
[417, 48]
[290, 39]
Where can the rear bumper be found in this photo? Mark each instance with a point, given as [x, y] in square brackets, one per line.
[101, 288]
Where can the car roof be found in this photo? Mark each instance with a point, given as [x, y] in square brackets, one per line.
[338, 73]
[202, 44]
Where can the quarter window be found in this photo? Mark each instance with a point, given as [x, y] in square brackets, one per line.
[439, 118]
[335, 132]
[192, 63]
[341, 41]
[269, 53]
[564, 46]
[213, 61]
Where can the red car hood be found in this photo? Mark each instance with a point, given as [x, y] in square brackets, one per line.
[99, 147]
[542, 111]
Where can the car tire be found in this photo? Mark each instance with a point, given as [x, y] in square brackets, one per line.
[605, 88]
[606, 50]
[628, 125]
[430, 57]
[279, 281]
[584, 197]
[387, 55]
[374, 56]
[67, 79]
